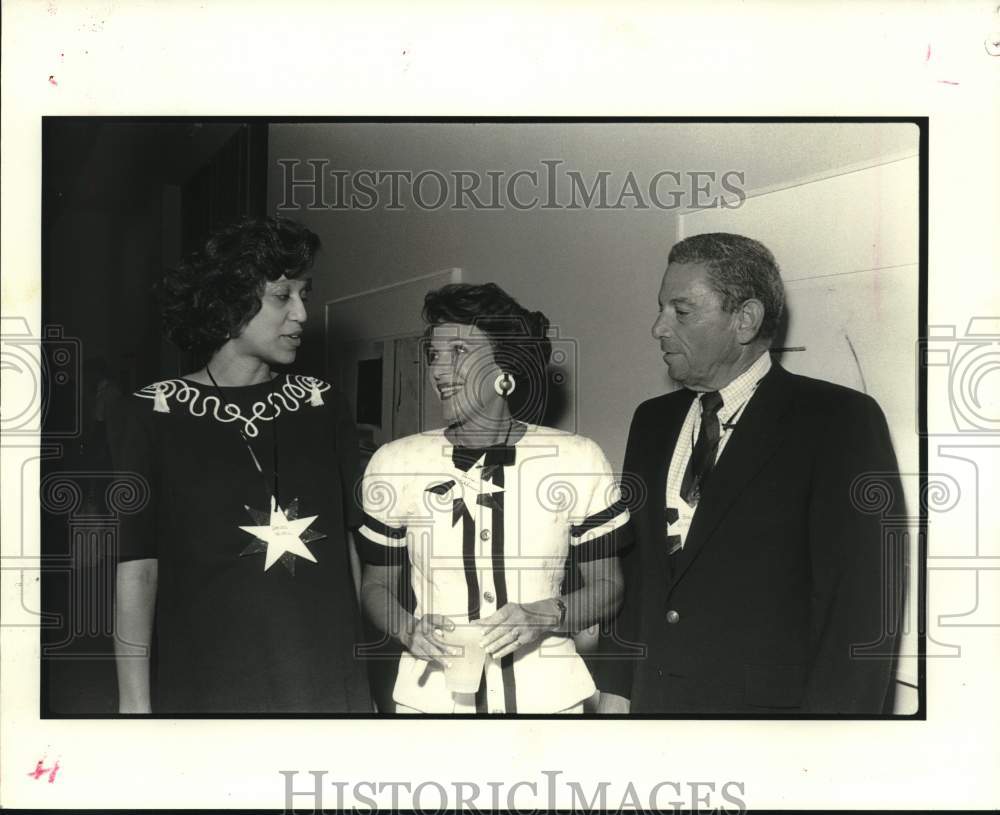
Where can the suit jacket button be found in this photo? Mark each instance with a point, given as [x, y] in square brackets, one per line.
[488, 596]
[484, 535]
[673, 617]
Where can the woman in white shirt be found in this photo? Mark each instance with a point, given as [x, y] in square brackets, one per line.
[489, 511]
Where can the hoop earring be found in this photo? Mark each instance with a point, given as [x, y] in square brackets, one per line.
[505, 384]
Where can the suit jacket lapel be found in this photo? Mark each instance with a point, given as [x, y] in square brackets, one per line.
[662, 439]
[755, 438]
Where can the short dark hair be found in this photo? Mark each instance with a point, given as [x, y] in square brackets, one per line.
[216, 291]
[741, 269]
[521, 345]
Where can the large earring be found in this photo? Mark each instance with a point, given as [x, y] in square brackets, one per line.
[504, 384]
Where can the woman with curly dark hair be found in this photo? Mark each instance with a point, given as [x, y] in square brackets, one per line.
[241, 549]
[490, 513]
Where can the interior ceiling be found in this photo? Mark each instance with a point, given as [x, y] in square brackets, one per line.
[118, 165]
[768, 153]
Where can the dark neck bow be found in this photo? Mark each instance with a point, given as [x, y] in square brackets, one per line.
[502, 455]
[494, 458]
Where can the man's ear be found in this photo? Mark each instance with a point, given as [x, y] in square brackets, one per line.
[749, 317]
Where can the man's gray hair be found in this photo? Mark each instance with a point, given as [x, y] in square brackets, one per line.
[740, 269]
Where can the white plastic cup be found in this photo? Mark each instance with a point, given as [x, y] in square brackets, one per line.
[463, 672]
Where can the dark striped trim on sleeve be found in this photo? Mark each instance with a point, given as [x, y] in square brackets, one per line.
[378, 554]
[382, 530]
[608, 544]
[379, 543]
[599, 519]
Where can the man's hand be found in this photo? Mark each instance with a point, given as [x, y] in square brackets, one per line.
[518, 626]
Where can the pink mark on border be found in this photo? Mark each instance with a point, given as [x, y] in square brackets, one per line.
[52, 80]
[928, 57]
[39, 771]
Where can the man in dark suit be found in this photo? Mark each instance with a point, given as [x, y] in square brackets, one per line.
[760, 581]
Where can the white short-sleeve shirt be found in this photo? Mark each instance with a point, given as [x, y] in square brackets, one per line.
[481, 534]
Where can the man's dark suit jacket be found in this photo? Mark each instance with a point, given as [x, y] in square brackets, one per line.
[785, 568]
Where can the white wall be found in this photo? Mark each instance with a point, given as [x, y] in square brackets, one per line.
[837, 204]
[594, 273]
[848, 249]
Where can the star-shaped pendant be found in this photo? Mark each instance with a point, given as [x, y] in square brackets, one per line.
[281, 535]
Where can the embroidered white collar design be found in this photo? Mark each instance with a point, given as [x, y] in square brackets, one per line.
[295, 391]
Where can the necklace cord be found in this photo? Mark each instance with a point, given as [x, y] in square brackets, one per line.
[274, 436]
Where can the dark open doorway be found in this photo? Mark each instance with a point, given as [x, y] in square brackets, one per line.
[122, 201]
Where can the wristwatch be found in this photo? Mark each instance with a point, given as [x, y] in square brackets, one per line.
[562, 612]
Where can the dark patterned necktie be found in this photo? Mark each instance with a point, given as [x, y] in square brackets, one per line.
[705, 449]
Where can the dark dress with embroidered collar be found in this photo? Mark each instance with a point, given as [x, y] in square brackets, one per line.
[232, 637]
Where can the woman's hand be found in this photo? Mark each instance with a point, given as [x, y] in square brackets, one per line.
[134, 706]
[613, 703]
[518, 625]
[420, 638]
